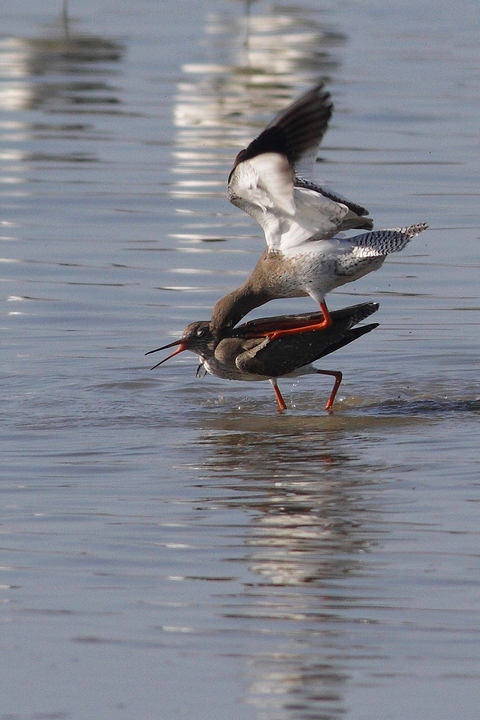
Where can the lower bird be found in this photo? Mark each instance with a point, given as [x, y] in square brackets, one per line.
[248, 352]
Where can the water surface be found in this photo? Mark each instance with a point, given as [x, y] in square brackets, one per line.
[172, 547]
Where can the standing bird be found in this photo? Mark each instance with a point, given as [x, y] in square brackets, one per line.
[249, 353]
[300, 220]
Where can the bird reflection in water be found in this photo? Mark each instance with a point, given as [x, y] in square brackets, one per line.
[310, 528]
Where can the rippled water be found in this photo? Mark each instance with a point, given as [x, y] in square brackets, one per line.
[172, 547]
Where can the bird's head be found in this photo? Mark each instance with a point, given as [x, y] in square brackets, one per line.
[197, 337]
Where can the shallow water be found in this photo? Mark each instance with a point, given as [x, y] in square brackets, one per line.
[172, 547]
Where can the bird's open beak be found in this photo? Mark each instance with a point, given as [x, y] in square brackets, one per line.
[182, 345]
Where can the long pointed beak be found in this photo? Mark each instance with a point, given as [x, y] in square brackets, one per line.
[182, 345]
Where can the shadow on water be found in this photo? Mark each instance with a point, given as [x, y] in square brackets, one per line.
[349, 415]
[435, 408]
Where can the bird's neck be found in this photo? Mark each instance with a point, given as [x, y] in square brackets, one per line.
[231, 308]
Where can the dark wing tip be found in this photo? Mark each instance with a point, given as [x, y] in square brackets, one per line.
[298, 128]
[354, 314]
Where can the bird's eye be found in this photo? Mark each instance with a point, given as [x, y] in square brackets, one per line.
[201, 332]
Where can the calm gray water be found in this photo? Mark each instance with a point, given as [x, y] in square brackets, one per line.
[171, 547]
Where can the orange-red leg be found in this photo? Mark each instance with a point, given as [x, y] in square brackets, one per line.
[338, 379]
[278, 395]
[324, 323]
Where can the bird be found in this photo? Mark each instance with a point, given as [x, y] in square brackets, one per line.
[301, 221]
[322, 266]
[239, 356]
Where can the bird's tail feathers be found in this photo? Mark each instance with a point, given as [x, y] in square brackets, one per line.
[384, 242]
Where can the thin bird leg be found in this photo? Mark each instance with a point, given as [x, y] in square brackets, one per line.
[338, 379]
[325, 323]
[278, 395]
[200, 369]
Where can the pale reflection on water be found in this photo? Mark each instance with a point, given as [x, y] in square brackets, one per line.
[220, 107]
[173, 547]
[318, 530]
[59, 53]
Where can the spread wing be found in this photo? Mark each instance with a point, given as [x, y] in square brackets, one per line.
[295, 132]
[266, 178]
[264, 188]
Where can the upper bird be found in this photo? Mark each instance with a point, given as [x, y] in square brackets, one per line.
[300, 219]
